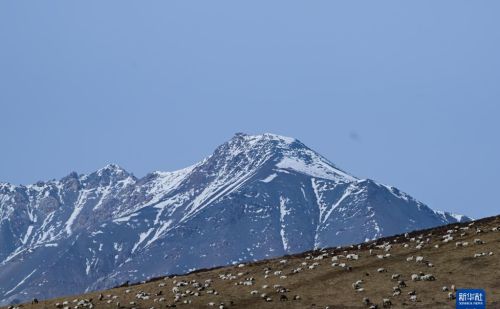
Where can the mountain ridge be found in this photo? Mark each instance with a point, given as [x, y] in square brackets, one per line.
[256, 196]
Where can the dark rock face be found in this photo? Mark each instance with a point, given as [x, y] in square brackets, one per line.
[256, 197]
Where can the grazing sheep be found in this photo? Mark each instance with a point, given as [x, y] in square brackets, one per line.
[386, 303]
[352, 256]
[283, 298]
[419, 259]
[451, 296]
[415, 277]
[409, 259]
[444, 289]
[366, 301]
[413, 298]
[296, 297]
[478, 241]
[381, 270]
[395, 276]
[401, 284]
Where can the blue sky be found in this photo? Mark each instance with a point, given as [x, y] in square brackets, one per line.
[406, 93]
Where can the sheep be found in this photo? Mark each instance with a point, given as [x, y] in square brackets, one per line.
[409, 259]
[415, 277]
[254, 292]
[413, 298]
[444, 289]
[386, 302]
[381, 270]
[283, 298]
[428, 277]
[451, 296]
[296, 297]
[401, 284]
[395, 276]
[419, 259]
[478, 241]
[366, 301]
[352, 256]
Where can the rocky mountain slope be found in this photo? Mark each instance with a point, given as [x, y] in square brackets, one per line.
[255, 197]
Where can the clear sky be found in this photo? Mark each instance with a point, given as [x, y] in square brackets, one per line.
[406, 93]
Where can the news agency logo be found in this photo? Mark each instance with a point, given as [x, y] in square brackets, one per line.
[470, 299]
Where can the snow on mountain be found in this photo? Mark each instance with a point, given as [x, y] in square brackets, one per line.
[255, 197]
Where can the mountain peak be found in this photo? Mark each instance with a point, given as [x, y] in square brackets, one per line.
[265, 137]
[111, 169]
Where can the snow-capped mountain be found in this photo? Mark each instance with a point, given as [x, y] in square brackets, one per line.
[255, 197]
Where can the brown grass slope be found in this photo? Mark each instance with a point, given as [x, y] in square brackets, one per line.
[327, 286]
